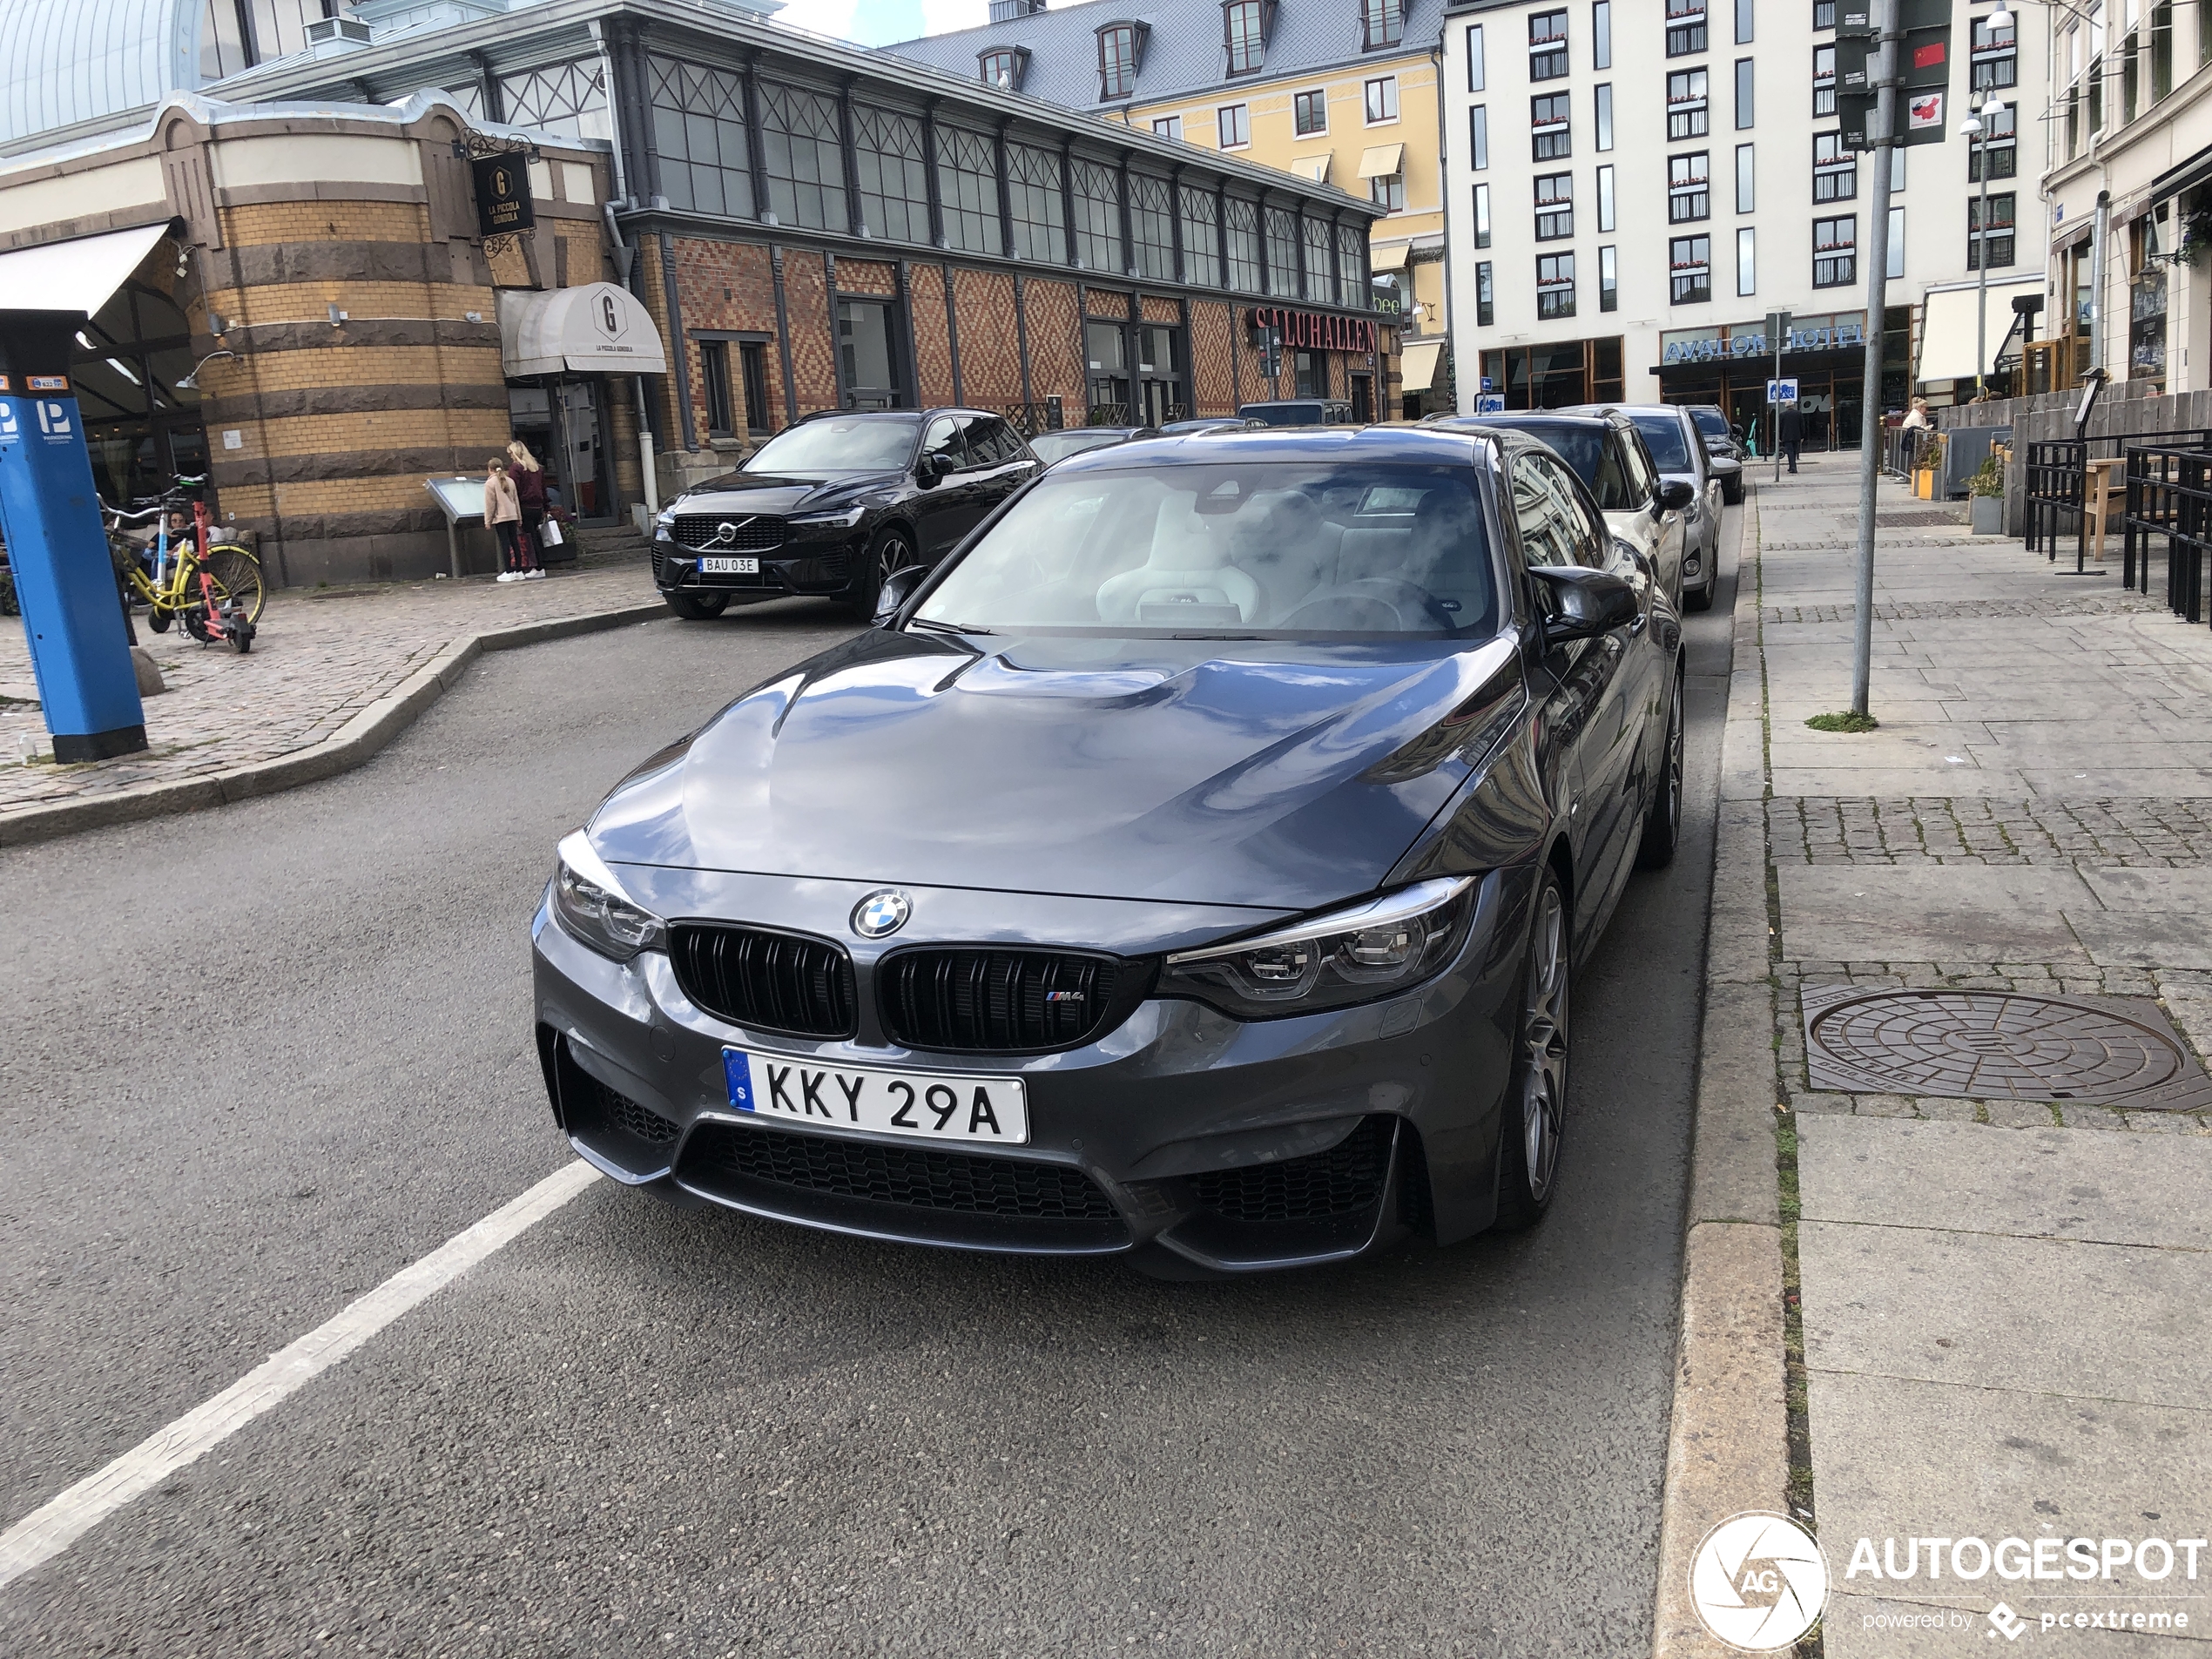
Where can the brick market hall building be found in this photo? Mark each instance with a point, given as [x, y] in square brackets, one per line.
[278, 227]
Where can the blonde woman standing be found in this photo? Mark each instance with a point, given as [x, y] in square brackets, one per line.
[529, 491]
[503, 512]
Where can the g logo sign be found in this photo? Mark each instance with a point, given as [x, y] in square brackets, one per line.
[608, 315]
[1759, 1581]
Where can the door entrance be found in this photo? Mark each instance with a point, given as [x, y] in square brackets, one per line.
[560, 420]
[864, 349]
[1159, 368]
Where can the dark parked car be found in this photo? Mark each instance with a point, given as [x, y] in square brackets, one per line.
[1058, 445]
[1671, 437]
[1723, 446]
[1608, 454]
[1299, 411]
[835, 504]
[1194, 867]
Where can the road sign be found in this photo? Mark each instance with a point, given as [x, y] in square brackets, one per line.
[1856, 17]
[1489, 385]
[1490, 402]
[1781, 391]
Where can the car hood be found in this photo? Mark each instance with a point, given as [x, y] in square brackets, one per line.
[741, 493]
[1197, 771]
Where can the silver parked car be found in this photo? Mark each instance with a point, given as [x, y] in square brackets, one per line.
[1676, 446]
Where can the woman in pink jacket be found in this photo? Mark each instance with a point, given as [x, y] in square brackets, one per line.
[503, 512]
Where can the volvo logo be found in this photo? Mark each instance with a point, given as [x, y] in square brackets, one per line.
[726, 531]
[881, 913]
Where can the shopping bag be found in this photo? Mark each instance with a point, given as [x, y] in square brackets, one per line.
[550, 532]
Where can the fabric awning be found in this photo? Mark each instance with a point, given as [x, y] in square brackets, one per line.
[1417, 368]
[1389, 258]
[82, 275]
[1379, 161]
[1313, 167]
[1947, 329]
[596, 329]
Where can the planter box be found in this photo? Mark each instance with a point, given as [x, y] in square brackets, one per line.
[1989, 515]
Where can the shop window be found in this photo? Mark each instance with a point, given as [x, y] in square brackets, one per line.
[1555, 207]
[1552, 132]
[1690, 270]
[1992, 241]
[1244, 244]
[1244, 26]
[865, 351]
[1313, 373]
[753, 364]
[1040, 210]
[1310, 112]
[1688, 187]
[1382, 21]
[1835, 253]
[1835, 170]
[1688, 111]
[1548, 45]
[714, 376]
[1151, 224]
[894, 174]
[805, 160]
[1685, 27]
[967, 190]
[1555, 285]
[1099, 217]
[1004, 67]
[1823, 81]
[1282, 253]
[1201, 238]
[1486, 300]
[1320, 269]
[699, 131]
[1119, 46]
[567, 100]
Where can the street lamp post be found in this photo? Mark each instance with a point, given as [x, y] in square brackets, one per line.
[1977, 128]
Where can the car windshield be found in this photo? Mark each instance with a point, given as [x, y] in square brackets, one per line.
[1711, 422]
[1243, 551]
[1596, 463]
[1662, 436]
[1049, 447]
[816, 449]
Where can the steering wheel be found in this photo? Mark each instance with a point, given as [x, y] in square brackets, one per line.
[1402, 602]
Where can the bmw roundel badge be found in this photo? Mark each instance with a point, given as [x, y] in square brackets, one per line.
[881, 913]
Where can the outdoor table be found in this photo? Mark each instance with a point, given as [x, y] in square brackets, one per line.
[2103, 483]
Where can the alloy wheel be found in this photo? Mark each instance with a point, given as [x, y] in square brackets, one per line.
[1544, 1029]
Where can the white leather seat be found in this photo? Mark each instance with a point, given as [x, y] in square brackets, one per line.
[1188, 572]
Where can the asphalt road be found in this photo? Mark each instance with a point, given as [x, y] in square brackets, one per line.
[254, 1062]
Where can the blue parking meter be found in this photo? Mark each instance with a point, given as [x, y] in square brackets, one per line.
[57, 549]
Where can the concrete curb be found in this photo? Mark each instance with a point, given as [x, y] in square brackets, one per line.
[359, 739]
[1728, 1441]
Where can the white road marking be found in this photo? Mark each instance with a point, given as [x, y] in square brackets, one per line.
[42, 1534]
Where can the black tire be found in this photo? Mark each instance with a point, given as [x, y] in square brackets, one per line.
[1535, 1107]
[1733, 494]
[242, 638]
[1663, 824]
[697, 607]
[159, 620]
[891, 550]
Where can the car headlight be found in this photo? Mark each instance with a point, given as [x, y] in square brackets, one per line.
[1359, 954]
[844, 521]
[591, 906]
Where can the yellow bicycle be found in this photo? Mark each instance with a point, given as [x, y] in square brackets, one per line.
[215, 588]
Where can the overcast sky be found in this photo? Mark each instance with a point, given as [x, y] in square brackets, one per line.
[876, 23]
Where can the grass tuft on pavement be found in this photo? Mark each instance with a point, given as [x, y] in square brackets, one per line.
[1848, 721]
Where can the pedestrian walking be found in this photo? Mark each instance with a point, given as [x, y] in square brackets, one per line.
[503, 512]
[1793, 432]
[529, 494]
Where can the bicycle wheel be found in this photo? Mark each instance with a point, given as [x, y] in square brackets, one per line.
[238, 573]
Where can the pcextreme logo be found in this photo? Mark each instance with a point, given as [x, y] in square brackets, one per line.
[1759, 1581]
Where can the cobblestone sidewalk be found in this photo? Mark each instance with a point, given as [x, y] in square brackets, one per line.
[2033, 817]
[320, 658]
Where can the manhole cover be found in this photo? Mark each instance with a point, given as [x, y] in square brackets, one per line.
[1994, 1045]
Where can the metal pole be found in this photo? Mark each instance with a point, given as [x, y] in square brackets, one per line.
[1870, 427]
[1775, 407]
[1981, 270]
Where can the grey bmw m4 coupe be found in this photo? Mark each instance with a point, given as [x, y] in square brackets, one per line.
[1193, 865]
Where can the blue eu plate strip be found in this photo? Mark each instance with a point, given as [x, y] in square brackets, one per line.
[739, 1073]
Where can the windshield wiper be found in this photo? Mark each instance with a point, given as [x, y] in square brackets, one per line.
[935, 626]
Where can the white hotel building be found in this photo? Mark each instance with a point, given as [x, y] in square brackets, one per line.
[1633, 184]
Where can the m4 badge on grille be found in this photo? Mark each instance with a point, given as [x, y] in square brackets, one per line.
[1065, 996]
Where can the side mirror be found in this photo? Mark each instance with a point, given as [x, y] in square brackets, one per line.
[1590, 603]
[897, 588]
[1674, 495]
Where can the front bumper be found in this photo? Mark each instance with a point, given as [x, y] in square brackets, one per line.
[1215, 1144]
[819, 568]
